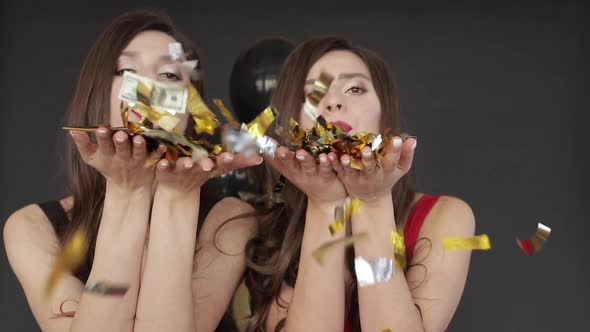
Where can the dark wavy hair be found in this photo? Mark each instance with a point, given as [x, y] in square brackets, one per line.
[273, 254]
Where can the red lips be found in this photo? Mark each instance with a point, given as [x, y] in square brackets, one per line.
[343, 125]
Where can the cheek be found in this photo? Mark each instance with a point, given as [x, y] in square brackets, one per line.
[115, 106]
[304, 121]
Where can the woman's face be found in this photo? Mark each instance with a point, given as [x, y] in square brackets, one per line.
[147, 55]
[351, 100]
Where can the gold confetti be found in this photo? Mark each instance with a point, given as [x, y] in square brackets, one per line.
[70, 258]
[205, 120]
[399, 250]
[260, 124]
[227, 114]
[320, 253]
[536, 242]
[479, 242]
[343, 213]
[155, 103]
[320, 87]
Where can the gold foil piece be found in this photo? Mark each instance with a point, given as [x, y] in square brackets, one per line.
[205, 120]
[260, 124]
[320, 253]
[343, 213]
[227, 114]
[399, 250]
[536, 241]
[479, 242]
[70, 258]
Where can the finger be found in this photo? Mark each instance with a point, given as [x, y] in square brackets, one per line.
[335, 161]
[164, 166]
[325, 168]
[368, 159]
[139, 151]
[122, 145]
[229, 162]
[105, 141]
[307, 162]
[407, 154]
[86, 148]
[184, 164]
[392, 154]
[348, 171]
[206, 164]
[284, 162]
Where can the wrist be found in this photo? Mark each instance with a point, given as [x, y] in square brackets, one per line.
[125, 191]
[171, 194]
[380, 200]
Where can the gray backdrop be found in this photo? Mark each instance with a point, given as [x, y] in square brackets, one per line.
[495, 95]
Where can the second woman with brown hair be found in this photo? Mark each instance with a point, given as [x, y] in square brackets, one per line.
[289, 289]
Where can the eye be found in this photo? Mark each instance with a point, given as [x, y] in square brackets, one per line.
[355, 90]
[121, 71]
[170, 76]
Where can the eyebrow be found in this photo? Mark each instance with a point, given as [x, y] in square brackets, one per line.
[131, 54]
[343, 76]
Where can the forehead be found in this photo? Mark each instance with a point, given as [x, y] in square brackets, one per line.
[337, 62]
[154, 41]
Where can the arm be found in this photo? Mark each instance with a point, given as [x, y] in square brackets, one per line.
[220, 260]
[318, 302]
[439, 284]
[391, 304]
[167, 300]
[118, 251]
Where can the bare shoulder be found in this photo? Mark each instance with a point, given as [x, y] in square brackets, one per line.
[230, 224]
[28, 227]
[450, 216]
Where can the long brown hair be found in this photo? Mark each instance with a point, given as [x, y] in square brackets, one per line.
[90, 106]
[273, 255]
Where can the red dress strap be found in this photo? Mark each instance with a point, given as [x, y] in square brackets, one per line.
[415, 221]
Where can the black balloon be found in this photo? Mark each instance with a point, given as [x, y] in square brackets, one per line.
[254, 76]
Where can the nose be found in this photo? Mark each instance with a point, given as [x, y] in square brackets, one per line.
[333, 107]
[332, 103]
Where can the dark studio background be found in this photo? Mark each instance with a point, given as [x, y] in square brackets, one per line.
[496, 95]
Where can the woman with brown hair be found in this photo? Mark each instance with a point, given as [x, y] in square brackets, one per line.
[289, 289]
[182, 276]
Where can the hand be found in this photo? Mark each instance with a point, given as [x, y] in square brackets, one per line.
[316, 180]
[376, 181]
[186, 176]
[119, 161]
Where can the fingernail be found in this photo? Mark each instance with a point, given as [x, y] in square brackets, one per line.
[414, 145]
[346, 162]
[188, 164]
[367, 154]
[259, 161]
[164, 163]
[331, 158]
[300, 157]
[119, 139]
[229, 157]
[397, 142]
[137, 141]
[323, 159]
[207, 168]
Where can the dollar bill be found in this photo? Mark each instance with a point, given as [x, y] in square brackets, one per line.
[167, 97]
